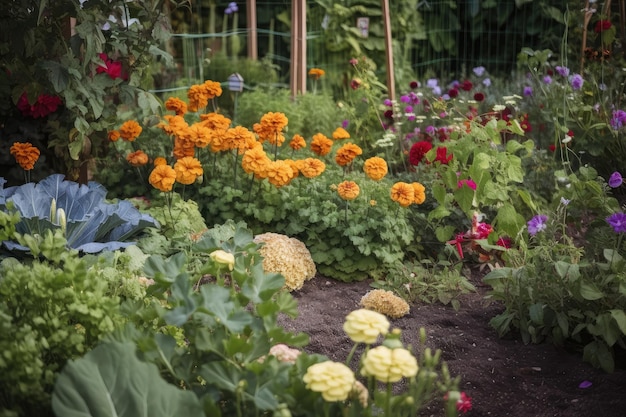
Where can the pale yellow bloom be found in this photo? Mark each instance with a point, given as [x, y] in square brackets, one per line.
[389, 365]
[364, 326]
[224, 258]
[333, 380]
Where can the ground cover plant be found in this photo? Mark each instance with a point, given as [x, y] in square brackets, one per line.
[448, 197]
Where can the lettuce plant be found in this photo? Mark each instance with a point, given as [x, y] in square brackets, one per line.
[89, 223]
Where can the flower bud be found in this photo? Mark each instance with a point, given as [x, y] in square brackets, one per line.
[62, 220]
[224, 258]
[53, 210]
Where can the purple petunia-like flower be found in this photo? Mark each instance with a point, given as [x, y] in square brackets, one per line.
[618, 120]
[562, 71]
[537, 224]
[479, 71]
[232, 8]
[618, 222]
[615, 180]
[547, 79]
[577, 81]
[528, 91]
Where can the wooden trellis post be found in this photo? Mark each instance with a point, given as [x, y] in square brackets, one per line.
[391, 82]
[253, 50]
[298, 71]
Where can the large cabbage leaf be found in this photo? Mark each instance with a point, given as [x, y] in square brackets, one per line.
[92, 224]
[110, 381]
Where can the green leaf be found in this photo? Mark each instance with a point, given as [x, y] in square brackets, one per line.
[57, 74]
[590, 291]
[217, 302]
[535, 313]
[165, 270]
[260, 286]
[110, 381]
[444, 233]
[620, 317]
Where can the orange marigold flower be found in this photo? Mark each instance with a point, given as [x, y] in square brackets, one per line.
[188, 169]
[215, 121]
[279, 173]
[295, 167]
[137, 158]
[239, 138]
[419, 193]
[403, 194]
[341, 133]
[199, 134]
[375, 168]
[174, 125]
[321, 144]
[316, 73]
[159, 161]
[183, 148]
[311, 167]
[270, 128]
[212, 88]
[198, 98]
[162, 177]
[346, 154]
[176, 105]
[114, 135]
[255, 160]
[348, 190]
[130, 130]
[297, 142]
[25, 154]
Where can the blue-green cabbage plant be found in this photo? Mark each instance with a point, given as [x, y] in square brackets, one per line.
[90, 224]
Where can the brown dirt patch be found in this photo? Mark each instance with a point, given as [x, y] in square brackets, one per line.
[503, 376]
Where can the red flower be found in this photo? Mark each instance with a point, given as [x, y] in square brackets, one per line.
[466, 85]
[505, 242]
[602, 25]
[355, 83]
[388, 114]
[442, 134]
[414, 85]
[464, 404]
[418, 151]
[453, 92]
[113, 68]
[552, 147]
[44, 105]
[479, 96]
[442, 155]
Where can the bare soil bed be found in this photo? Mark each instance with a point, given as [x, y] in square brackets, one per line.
[503, 376]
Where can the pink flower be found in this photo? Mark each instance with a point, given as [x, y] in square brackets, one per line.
[470, 183]
[464, 404]
[112, 68]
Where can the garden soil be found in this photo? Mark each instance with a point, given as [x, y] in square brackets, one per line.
[503, 376]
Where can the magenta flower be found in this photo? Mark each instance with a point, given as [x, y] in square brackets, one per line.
[618, 120]
[470, 183]
[537, 224]
[577, 81]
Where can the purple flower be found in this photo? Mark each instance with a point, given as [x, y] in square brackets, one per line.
[619, 119]
[562, 71]
[405, 99]
[430, 130]
[387, 102]
[547, 79]
[618, 222]
[487, 82]
[232, 8]
[414, 98]
[408, 109]
[345, 123]
[432, 83]
[479, 71]
[537, 224]
[528, 91]
[615, 180]
[577, 81]
[585, 384]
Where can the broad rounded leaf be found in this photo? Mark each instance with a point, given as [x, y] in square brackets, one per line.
[110, 381]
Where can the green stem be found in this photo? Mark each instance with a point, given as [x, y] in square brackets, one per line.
[351, 354]
[388, 400]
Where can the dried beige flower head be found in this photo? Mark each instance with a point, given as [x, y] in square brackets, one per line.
[385, 302]
[284, 353]
[287, 256]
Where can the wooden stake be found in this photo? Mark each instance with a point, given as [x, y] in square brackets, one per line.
[391, 82]
[253, 49]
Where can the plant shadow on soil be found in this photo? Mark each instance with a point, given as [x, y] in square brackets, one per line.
[503, 376]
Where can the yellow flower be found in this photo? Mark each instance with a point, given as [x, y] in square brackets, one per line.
[348, 190]
[373, 203]
[385, 302]
[403, 194]
[419, 193]
[311, 167]
[222, 257]
[364, 326]
[347, 153]
[25, 154]
[341, 133]
[321, 144]
[375, 168]
[176, 105]
[188, 169]
[389, 365]
[316, 73]
[162, 177]
[137, 158]
[333, 380]
[297, 142]
[130, 130]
